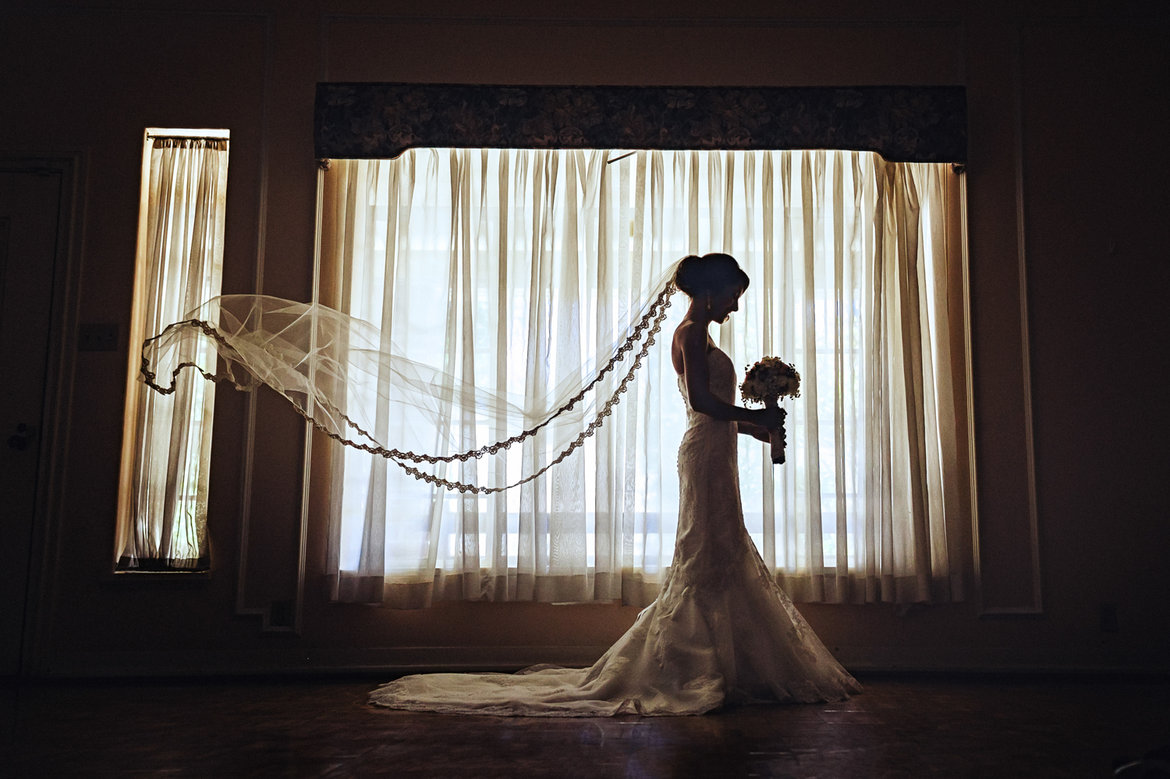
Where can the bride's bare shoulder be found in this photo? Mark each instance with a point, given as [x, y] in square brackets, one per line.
[688, 335]
[688, 330]
[689, 342]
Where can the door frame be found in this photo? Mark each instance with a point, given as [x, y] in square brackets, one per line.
[58, 392]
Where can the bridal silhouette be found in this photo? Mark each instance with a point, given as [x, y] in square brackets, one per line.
[721, 631]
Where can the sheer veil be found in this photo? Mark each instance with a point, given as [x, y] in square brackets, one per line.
[335, 372]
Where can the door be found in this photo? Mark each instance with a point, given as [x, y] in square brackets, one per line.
[30, 208]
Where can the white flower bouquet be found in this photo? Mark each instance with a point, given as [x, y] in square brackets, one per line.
[766, 382]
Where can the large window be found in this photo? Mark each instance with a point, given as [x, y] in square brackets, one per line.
[166, 450]
[505, 265]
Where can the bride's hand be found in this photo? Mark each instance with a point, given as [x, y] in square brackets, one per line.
[772, 418]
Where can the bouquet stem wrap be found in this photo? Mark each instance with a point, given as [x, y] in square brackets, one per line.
[777, 437]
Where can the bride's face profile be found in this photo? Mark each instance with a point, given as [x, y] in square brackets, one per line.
[724, 302]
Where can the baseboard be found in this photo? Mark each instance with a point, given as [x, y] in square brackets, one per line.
[394, 661]
[997, 660]
[388, 661]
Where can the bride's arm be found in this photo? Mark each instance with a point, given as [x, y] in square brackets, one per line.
[692, 340]
[758, 432]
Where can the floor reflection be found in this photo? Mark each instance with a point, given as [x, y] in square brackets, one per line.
[898, 727]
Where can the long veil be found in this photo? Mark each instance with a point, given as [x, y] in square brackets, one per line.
[336, 373]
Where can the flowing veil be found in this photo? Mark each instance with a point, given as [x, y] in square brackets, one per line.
[336, 373]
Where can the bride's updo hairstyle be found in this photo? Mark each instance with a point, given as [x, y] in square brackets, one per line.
[709, 274]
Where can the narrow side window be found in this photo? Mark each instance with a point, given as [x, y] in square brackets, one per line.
[166, 445]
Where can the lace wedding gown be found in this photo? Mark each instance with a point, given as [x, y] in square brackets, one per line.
[721, 632]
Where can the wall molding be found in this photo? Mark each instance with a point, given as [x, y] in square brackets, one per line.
[1033, 603]
[242, 606]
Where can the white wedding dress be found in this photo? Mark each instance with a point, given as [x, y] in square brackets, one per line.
[721, 631]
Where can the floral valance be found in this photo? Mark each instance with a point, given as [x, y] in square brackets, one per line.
[903, 124]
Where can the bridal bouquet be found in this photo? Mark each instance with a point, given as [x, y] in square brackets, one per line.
[766, 382]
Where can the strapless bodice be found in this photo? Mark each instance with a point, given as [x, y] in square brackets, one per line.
[722, 380]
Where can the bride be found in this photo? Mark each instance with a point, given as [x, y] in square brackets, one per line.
[721, 631]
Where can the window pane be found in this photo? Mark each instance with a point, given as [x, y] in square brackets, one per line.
[162, 505]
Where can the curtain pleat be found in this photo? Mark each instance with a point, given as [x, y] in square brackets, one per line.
[507, 267]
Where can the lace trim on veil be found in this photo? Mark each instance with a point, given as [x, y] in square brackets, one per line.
[235, 329]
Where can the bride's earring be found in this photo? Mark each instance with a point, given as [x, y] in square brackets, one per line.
[708, 305]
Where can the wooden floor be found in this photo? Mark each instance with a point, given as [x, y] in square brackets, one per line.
[899, 727]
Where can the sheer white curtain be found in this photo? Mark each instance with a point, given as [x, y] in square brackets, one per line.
[166, 450]
[503, 266]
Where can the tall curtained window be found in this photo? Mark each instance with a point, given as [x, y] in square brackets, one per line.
[166, 448]
[500, 265]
